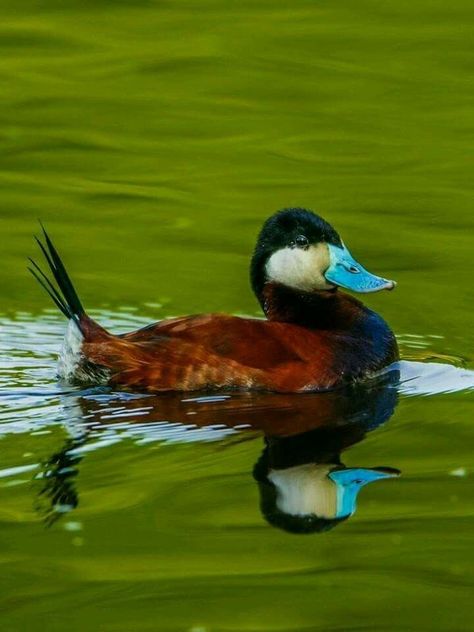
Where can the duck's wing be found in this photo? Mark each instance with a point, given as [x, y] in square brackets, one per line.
[217, 351]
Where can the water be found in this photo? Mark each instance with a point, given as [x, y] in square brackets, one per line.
[153, 139]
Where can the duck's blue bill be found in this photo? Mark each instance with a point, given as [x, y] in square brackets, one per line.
[347, 273]
[349, 482]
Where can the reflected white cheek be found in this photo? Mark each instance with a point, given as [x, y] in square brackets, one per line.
[304, 490]
[300, 269]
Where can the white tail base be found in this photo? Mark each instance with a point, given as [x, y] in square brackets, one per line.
[71, 352]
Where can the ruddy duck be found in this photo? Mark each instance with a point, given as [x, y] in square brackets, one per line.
[314, 337]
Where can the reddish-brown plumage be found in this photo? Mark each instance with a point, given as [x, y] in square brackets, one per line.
[218, 351]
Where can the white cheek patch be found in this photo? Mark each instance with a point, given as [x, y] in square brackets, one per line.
[300, 269]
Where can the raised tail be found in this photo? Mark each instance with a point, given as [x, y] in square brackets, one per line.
[62, 293]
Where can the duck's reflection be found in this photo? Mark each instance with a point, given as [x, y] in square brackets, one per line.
[304, 487]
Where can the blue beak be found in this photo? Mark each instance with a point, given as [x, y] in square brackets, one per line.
[349, 483]
[347, 273]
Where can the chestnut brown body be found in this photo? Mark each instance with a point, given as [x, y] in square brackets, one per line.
[309, 343]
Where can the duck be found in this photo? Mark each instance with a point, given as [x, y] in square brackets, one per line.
[314, 336]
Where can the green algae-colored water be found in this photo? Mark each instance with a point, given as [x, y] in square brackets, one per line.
[153, 138]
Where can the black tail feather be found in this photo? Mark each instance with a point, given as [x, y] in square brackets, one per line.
[64, 295]
[49, 287]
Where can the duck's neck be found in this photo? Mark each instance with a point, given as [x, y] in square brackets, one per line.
[316, 310]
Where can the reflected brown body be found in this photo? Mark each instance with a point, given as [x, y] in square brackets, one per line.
[274, 414]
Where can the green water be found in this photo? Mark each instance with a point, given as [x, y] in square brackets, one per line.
[153, 138]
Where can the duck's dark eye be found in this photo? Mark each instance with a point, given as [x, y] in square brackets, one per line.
[301, 241]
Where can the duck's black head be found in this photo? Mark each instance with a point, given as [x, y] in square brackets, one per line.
[298, 249]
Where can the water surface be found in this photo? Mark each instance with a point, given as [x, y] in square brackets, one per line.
[153, 139]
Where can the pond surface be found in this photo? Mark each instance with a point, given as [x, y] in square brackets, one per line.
[153, 139]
